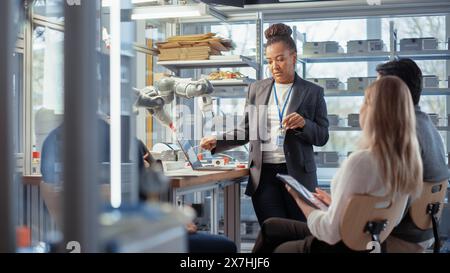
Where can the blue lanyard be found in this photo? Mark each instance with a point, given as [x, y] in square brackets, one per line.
[281, 112]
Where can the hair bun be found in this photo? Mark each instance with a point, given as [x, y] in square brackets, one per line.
[278, 30]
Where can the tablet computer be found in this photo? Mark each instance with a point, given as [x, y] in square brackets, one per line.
[304, 193]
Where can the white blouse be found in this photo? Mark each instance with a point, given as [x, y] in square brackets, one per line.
[359, 174]
[273, 153]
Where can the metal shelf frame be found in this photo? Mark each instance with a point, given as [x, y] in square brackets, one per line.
[176, 66]
[355, 129]
[376, 56]
[425, 92]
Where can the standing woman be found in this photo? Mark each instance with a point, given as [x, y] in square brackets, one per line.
[285, 116]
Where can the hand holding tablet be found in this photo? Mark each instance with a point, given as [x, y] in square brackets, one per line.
[303, 192]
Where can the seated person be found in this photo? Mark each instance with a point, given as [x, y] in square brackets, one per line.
[406, 237]
[208, 243]
[51, 169]
[387, 164]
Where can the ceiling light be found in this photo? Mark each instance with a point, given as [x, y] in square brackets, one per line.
[169, 11]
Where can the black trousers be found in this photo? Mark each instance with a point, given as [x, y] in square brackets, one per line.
[289, 236]
[271, 198]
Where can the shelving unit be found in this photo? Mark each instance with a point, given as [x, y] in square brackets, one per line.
[326, 172]
[347, 128]
[223, 88]
[175, 66]
[231, 88]
[237, 82]
[376, 56]
[425, 92]
[345, 57]
[425, 55]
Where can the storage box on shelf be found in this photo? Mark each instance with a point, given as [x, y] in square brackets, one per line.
[359, 83]
[320, 48]
[353, 120]
[365, 46]
[328, 84]
[418, 44]
[434, 119]
[327, 159]
[430, 81]
[333, 120]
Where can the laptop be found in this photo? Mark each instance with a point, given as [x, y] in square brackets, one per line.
[196, 164]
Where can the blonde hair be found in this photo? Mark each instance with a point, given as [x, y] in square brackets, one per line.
[390, 133]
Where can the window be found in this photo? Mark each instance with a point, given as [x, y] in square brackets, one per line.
[345, 30]
[47, 83]
[51, 9]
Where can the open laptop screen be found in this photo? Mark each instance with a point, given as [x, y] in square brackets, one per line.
[190, 153]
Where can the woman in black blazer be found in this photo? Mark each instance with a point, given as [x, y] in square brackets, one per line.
[285, 116]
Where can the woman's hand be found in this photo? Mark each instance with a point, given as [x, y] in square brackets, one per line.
[191, 228]
[307, 209]
[208, 143]
[294, 121]
[323, 196]
[145, 158]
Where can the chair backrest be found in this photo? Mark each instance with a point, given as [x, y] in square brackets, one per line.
[431, 193]
[52, 197]
[363, 209]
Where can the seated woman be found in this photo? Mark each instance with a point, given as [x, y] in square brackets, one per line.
[387, 164]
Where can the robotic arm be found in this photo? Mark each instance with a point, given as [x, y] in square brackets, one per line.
[149, 98]
[154, 99]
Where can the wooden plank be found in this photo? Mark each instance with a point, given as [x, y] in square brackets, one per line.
[33, 180]
[198, 178]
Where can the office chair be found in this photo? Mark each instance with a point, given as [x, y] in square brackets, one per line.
[368, 221]
[426, 211]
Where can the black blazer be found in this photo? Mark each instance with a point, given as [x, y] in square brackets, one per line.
[307, 100]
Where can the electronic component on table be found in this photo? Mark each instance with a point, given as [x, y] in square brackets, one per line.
[326, 83]
[418, 44]
[359, 83]
[353, 120]
[169, 155]
[365, 46]
[319, 48]
[219, 162]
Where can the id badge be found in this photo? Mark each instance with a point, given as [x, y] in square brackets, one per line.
[280, 138]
